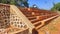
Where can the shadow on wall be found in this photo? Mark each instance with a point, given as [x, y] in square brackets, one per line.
[34, 31]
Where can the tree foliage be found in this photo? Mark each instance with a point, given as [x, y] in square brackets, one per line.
[56, 7]
[16, 2]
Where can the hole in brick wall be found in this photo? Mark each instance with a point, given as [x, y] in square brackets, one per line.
[16, 19]
[11, 22]
[25, 26]
[20, 22]
[0, 11]
[18, 25]
[15, 25]
[13, 16]
[5, 20]
[17, 22]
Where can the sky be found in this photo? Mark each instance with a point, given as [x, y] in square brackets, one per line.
[43, 4]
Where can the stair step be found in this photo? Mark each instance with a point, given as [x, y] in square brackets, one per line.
[43, 21]
[51, 18]
[30, 18]
[38, 19]
[34, 20]
[37, 24]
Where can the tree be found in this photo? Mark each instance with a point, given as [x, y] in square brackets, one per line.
[16, 2]
[3, 1]
[56, 7]
[26, 4]
[13, 2]
[22, 3]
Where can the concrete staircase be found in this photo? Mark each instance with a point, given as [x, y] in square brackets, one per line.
[38, 17]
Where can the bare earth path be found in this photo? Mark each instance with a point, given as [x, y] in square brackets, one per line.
[52, 28]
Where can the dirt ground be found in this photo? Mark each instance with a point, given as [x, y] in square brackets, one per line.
[52, 28]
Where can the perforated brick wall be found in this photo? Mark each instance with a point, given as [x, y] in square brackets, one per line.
[17, 21]
[7, 18]
[4, 16]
